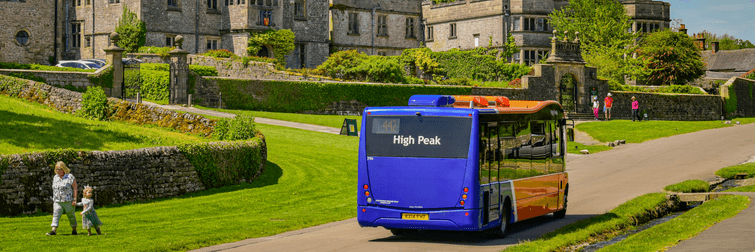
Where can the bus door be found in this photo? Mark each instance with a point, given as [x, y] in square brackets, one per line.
[490, 156]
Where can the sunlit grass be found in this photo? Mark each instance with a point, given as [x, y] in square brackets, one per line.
[637, 132]
[730, 172]
[32, 127]
[575, 148]
[689, 186]
[335, 121]
[310, 180]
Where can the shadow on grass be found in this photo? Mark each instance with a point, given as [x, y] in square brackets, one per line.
[19, 130]
[530, 229]
[272, 174]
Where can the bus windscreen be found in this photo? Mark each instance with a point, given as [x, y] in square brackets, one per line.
[417, 136]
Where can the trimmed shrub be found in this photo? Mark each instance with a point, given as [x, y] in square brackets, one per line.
[222, 53]
[160, 51]
[377, 69]
[239, 128]
[94, 104]
[337, 63]
[237, 162]
[203, 70]
[155, 85]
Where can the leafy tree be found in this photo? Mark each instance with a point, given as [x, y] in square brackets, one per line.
[509, 48]
[132, 31]
[605, 42]
[673, 57]
[338, 62]
[282, 42]
[726, 41]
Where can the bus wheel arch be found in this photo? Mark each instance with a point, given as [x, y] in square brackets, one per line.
[560, 214]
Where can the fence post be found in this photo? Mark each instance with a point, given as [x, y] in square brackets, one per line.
[189, 104]
[138, 98]
[115, 58]
[220, 100]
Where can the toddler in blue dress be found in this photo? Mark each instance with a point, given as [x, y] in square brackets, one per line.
[89, 217]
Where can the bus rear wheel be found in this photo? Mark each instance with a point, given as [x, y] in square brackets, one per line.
[500, 232]
[403, 232]
[562, 213]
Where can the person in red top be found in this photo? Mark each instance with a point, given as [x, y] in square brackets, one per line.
[635, 109]
[608, 102]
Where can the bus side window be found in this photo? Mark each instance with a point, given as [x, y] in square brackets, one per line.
[495, 150]
[484, 150]
[557, 159]
[524, 151]
[539, 148]
[508, 145]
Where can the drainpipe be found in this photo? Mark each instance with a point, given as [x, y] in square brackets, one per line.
[55, 38]
[93, 17]
[196, 30]
[372, 19]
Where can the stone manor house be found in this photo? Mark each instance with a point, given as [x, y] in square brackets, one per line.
[41, 31]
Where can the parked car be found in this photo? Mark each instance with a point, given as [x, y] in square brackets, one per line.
[78, 64]
[100, 62]
[131, 61]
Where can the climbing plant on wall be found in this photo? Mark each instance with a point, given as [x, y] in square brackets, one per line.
[281, 41]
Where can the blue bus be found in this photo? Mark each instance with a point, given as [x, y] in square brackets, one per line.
[461, 163]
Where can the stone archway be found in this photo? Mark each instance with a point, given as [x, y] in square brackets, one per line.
[567, 94]
[266, 51]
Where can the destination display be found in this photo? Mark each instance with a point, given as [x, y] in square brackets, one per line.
[418, 136]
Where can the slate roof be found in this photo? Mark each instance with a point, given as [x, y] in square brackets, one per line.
[722, 75]
[742, 60]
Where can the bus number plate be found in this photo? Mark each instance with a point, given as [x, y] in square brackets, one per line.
[414, 216]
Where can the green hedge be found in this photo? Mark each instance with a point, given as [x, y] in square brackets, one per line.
[155, 84]
[5, 65]
[288, 96]
[217, 168]
[671, 89]
[480, 64]
[200, 70]
[731, 102]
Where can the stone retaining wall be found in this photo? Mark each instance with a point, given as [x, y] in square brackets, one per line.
[117, 176]
[671, 107]
[738, 94]
[57, 78]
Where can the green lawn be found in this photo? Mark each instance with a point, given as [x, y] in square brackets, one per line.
[732, 171]
[32, 127]
[310, 180]
[689, 186]
[574, 148]
[749, 188]
[335, 121]
[637, 132]
[683, 227]
[605, 225]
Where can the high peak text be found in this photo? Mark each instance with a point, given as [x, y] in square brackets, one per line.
[406, 141]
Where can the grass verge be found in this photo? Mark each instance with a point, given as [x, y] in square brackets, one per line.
[629, 214]
[732, 171]
[684, 226]
[574, 148]
[335, 121]
[638, 132]
[32, 127]
[749, 188]
[309, 180]
[689, 186]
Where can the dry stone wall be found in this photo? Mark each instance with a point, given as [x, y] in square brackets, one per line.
[117, 176]
[738, 94]
[59, 78]
[670, 107]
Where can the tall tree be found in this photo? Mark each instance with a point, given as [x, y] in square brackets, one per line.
[132, 31]
[605, 37]
[673, 57]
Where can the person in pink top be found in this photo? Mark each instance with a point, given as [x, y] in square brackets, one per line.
[635, 109]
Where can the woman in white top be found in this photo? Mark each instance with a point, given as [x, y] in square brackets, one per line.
[595, 106]
[63, 197]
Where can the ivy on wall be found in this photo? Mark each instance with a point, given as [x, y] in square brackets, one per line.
[281, 41]
[290, 96]
[225, 163]
[103, 79]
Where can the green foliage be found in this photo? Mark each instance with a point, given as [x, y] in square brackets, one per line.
[732, 171]
[154, 67]
[689, 186]
[604, 40]
[237, 162]
[94, 104]
[300, 96]
[239, 128]
[338, 62]
[672, 56]
[575, 148]
[281, 41]
[131, 30]
[222, 53]
[204, 70]
[510, 47]
[155, 84]
[160, 51]
[11, 86]
[5, 65]
[671, 89]
[247, 59]
[103, 79]
[749, 188]
[731, 101]
[480, 64]
[28, 76]
[376, 69]
[726, 41]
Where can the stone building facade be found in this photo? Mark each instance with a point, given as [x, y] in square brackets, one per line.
[28, 30]
[204, 25]
[466, 24]
[394, 26]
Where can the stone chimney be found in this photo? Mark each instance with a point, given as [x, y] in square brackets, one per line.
[700, 40]
[682, 29]
[714, 46]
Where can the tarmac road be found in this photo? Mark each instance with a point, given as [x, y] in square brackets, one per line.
[598, 183]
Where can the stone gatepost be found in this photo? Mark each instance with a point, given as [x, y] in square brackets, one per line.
[115, 58]
[179, 74]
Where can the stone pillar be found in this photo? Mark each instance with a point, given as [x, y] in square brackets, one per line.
[115, 58]
[179, 74]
